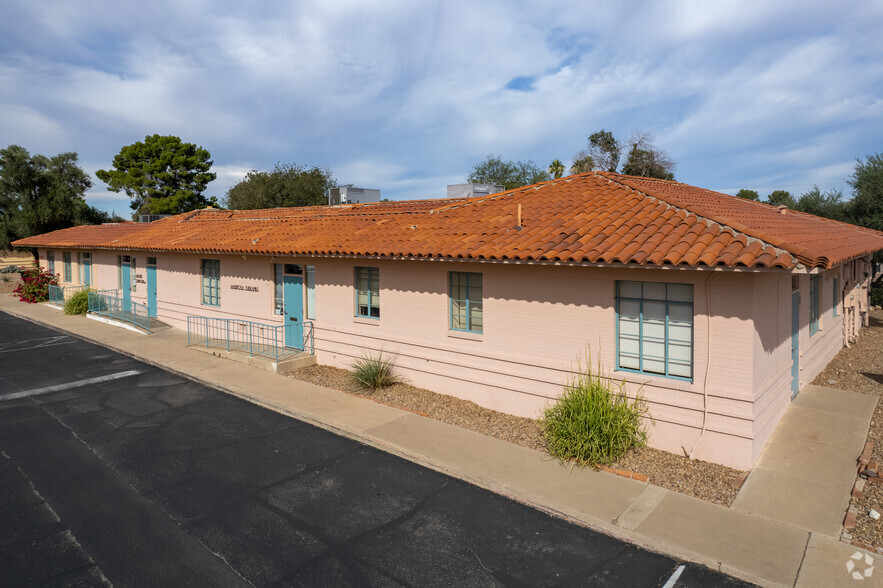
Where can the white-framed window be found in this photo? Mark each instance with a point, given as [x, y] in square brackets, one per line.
[68, 273]
[654, 328]
[211, 282]
[368, 292]
[310, 279]
[278, 289]
[814, 292]
[466, 301]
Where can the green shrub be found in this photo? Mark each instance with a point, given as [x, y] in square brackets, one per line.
[78, 303]
[594, 422]
[35, 284]
[375, 371]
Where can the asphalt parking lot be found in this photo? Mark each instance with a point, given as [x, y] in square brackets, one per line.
[121, 472]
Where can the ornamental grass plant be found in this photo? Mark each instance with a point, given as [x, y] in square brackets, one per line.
[594, 422]
[375, 370]
[78, 303]
[35, 284]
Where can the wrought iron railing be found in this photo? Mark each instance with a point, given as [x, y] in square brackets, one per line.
[119, 308]
[58, 294]
[273, 341]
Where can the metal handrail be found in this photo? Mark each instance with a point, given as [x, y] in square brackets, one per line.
[119, 308]
[248, 336]
[58, 294]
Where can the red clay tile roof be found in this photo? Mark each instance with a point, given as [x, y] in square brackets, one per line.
[598, 217]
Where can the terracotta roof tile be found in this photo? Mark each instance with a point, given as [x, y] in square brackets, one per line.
[597, 217]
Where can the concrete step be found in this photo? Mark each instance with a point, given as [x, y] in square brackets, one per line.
[284, 366]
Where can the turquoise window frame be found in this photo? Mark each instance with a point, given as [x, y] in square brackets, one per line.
[466, 302]
[68, 273]
[211, 282]
[367, 292]
[814, 291]
[668, 340]
[835, 296]
[50, 261]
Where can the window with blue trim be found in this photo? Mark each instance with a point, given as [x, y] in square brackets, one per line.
[211, 282]
[655, 328]
[50, 261]
[466, 301]
[66, 256]
[368, 292]
[836, 297]
[813, 305]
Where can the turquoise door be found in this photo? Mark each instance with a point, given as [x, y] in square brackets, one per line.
[87, 271]
[795, 344]
[293, 296]
[151, 290]
[126, 271]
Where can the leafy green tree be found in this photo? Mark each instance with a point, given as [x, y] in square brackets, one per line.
[826, 204]
[605, 150]
[162, 175]
[509, 174]
[647, 160]
[866, 206]
[556, 169]
[39, 194]
[748, 194]
[287, 184]
[582, 163]
[781, 198]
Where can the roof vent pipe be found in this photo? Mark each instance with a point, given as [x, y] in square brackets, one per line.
[519, 216]
[782, 208]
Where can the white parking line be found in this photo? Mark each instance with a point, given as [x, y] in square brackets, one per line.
[674, 577]
[69, 385]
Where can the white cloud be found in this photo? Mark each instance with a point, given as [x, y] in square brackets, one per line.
[408, 96]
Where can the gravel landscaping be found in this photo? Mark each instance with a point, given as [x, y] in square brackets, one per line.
[9, 282]
[701, 479]
[860, 368]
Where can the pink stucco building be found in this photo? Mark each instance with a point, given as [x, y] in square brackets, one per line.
[718, 309]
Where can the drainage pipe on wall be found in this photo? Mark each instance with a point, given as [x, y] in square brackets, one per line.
[707, 361]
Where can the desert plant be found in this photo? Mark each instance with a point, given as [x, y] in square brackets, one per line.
[35, 284]
[594, 422]
[78, 303]
[375, 370]
[9, 269]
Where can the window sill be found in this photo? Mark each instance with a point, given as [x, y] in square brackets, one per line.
[467, 335]
[367, 320]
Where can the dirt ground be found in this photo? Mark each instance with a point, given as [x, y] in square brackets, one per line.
[701, 479]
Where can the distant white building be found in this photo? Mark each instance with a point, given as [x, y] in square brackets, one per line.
[471, 190]
[350, 195]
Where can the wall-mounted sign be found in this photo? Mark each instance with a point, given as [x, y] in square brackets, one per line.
[244, 288]
[140, 281]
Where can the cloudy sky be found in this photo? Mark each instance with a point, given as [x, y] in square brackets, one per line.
[407, 96]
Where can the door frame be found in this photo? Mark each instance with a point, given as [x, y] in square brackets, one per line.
[293, 310]
[151, 288]
[126, 281]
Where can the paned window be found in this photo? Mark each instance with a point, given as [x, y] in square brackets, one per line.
[368, 292]
[211, 282]
[466, 301]
[311, 293]
[813, 305]
[68, 274]
[655, 328]
[278, 289]
[835, 298]
[50, 261]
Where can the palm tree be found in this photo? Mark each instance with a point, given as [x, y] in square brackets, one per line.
[556, 169]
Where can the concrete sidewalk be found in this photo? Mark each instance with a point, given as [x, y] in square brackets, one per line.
[782, 531]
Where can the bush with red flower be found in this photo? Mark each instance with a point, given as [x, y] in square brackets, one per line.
[35, 284]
